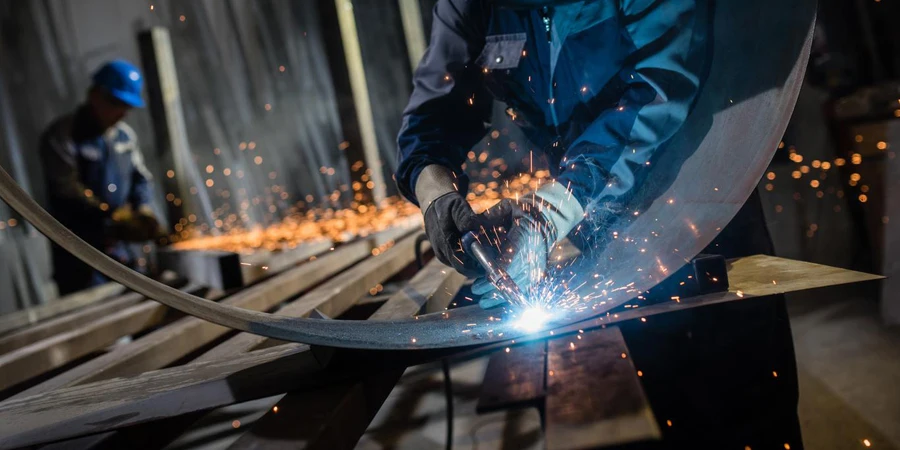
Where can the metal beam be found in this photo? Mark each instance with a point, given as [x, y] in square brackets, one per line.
[413, 30]
[67, 322]
[354, 104]
[58, 350]
[333, 297]
[168, 120]
[120, 402]
[71, 302]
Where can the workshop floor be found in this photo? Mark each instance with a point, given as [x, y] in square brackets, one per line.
[849, 367]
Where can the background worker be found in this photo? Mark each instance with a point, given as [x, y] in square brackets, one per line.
[598, 87]
[97, 183]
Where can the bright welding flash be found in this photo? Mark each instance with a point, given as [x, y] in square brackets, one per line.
[533, 319]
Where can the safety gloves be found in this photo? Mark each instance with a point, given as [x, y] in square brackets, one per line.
[537, 222]
[447, 217]
[527, 229]
[135, 226]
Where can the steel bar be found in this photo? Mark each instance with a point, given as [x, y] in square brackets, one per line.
[76, 319]
[86, 409]
[58, 350]
[67, 322]
[72, 302]
[750, 277]
[333, 297]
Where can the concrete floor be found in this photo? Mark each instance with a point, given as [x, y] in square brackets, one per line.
[849, 366]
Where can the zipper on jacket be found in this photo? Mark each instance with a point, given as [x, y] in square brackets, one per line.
[548, 22]
[547, 19]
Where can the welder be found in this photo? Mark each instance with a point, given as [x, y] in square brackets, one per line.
[97, 183]
[597, 87]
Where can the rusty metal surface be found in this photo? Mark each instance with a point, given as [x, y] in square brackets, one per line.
[514, 378]
[594, 397]
[759, 56]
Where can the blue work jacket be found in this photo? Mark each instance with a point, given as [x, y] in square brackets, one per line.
[597, 86]
[90, 173]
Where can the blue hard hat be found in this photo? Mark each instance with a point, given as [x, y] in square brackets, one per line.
[122, 80]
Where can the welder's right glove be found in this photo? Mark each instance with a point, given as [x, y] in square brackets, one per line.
[538, 222]
[448, 216]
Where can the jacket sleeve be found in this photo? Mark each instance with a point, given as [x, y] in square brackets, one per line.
[448, 107]
[64, 183]
[661, 79]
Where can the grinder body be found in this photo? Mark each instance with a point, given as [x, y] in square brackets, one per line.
[488, 259]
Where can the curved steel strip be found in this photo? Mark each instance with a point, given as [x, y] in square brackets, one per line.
[759, 55]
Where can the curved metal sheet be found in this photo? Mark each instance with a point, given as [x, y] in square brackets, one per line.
[760, 52]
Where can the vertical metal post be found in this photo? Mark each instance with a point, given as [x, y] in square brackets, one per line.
[29, 277]
[411, 15]
[354, 104]
[868, 38]
[171, 134]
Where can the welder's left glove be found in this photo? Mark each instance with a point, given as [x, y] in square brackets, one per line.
[146, 217]
[538, 222]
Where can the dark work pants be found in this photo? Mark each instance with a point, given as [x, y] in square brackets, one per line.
[70, 274]
[724, 375]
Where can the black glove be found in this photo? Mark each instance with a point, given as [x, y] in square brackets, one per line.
[448, 216]
[446, 220]
[130, 226]
[537, 223]
[525, 246]
[151, 226]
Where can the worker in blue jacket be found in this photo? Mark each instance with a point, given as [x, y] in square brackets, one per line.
[585, 80]
[598, 86]
[97, 183]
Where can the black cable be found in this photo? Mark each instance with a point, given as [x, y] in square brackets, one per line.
[420, 239]
[445, 363]
[448, 394]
